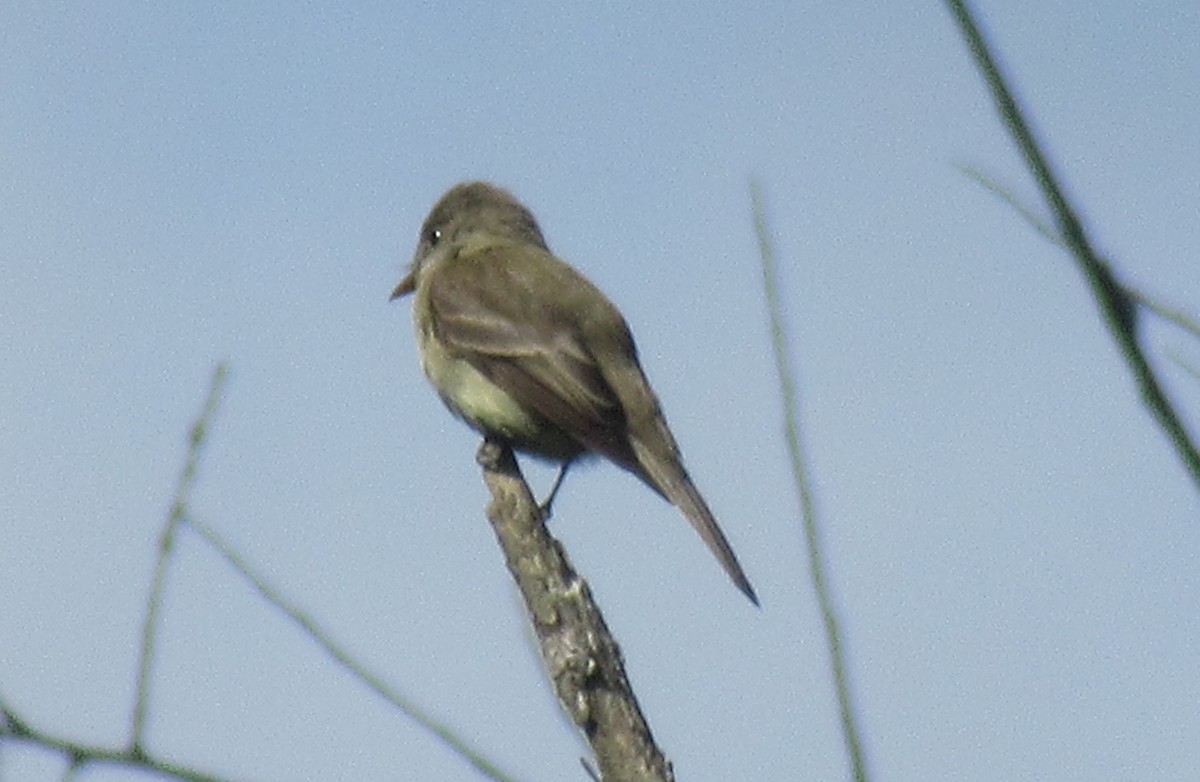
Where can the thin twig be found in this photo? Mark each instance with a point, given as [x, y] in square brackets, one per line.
[78, 755]
[1185, 365]
[135, 754]
[335, 650]
[187, 478]
[1173, 315]
[1117, 306]
[812, 535]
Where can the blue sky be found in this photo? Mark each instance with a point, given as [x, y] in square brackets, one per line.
[1014, 547]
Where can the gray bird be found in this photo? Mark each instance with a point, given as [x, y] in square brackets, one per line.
[524, 349]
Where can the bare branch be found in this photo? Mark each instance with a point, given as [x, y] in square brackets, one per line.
[78, 755]
[338, 652]
[1174, 315]
[581, 656]
[1116, 304]
[187, 478]
[808, 513]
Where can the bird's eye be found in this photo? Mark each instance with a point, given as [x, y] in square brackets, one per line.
[433, 236]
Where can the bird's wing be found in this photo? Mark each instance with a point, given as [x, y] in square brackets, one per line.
[512, 311]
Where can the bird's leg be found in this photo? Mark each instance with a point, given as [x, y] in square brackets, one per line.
[490, 452]
[545, 506]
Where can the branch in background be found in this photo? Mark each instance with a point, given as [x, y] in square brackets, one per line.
[14, 727]
[134, 755]
[1187, 366]
[1117, 305]
[187, 477]
[323, 639]
[1174, 315]
[581, 656]
[181, 515]
[812, 535]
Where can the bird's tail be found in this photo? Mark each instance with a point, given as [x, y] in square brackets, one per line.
[667, 475]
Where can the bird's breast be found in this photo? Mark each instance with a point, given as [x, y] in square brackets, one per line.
[487, 407]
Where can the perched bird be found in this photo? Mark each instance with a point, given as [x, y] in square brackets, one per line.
[527, 351]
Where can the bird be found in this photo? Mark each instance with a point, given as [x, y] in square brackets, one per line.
[527, 351]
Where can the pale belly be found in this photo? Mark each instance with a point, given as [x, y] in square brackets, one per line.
[488, 408]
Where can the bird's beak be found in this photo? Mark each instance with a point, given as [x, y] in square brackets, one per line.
[406, 286]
